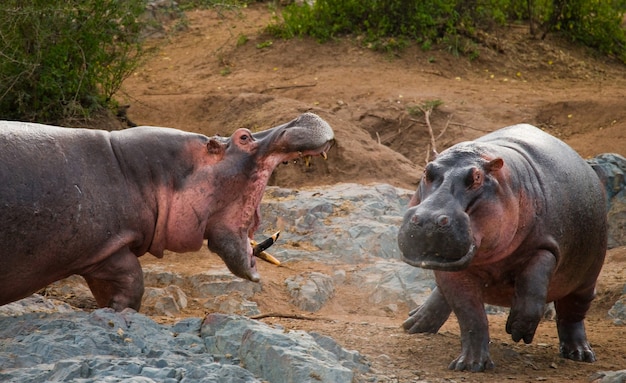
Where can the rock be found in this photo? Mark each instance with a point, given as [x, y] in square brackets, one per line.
[611, 169]
[105, 346]
[393, 282]
[349, 223]
[273, 354]
[309, 291]
[154, 276]
[34, 304]
[618, 311]
[167, 301]
[212, 283]
[234, 303]
[349, 359]
[609, 377]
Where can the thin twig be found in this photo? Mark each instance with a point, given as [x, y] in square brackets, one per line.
[287, 316]
[427, 113]
[470, 127]
[444, 128]
[288, 87]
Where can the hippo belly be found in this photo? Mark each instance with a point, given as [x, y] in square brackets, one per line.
[516, 218]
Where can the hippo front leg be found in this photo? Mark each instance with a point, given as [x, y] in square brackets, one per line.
[531, 290]
[430, 316]
[117, 281]
[464, 295]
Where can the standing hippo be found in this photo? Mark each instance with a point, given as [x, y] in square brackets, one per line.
[515, 218]
[90, 202]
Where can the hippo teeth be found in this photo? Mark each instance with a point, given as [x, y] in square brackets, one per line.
[324, 156]
[258, 249]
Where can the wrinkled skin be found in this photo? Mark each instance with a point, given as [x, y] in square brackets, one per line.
[517, 219]
[90, 202]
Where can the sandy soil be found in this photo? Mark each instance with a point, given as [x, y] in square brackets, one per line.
[223, 72]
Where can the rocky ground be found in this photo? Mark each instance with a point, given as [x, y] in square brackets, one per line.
[223, 72]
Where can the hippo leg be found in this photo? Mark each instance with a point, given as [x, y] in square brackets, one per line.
[464, 295]
[570, 312]
[430, 316]
[117, 281]
[531, 290]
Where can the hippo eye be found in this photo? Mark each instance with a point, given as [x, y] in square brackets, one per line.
[474, 178]
[244, 139]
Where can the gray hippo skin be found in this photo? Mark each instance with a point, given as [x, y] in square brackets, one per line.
[517, 219]
[90, 202]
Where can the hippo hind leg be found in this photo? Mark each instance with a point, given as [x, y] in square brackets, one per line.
[430, 316]
[117, 281]
[570, 311]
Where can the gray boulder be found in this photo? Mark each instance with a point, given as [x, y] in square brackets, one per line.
[611, 169]
[310, 291]
[273, 354]
[107, 346]
[609, 377]
[343, 223]
[168, 301]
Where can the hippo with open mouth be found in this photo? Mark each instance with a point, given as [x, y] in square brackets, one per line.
[90, 202]
[515, 218]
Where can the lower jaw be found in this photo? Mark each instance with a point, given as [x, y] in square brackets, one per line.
[437, 263]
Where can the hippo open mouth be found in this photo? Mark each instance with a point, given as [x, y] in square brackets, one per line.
[249, 161]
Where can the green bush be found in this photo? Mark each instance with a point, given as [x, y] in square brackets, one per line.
[596, 23]
[63, 59]
[327, 19]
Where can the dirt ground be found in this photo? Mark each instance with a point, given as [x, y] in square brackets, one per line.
[223, 72]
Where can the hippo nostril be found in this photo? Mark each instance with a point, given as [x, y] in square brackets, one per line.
[443, 220]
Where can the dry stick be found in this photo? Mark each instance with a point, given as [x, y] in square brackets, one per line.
[470, 127]
[430, 128]
[288, 87]
[288, 316]
[390, 137]
[444, 128]
[430, 131]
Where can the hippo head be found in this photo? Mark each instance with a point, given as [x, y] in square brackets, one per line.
[436, 232]
[240, 180]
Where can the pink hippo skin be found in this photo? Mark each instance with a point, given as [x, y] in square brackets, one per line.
[517, 219]
[90, 202]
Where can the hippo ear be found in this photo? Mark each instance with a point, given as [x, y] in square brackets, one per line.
[494, 165]
[415, 199]
[214, 147]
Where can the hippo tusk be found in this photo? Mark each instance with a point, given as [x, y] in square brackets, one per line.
[324, 156]
[268, 258]
[258, 249]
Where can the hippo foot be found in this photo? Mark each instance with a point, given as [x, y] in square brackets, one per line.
[473, 363]
[420, 321]
[582, 353]
[573, 342]
[429, 317]
[522, 324]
